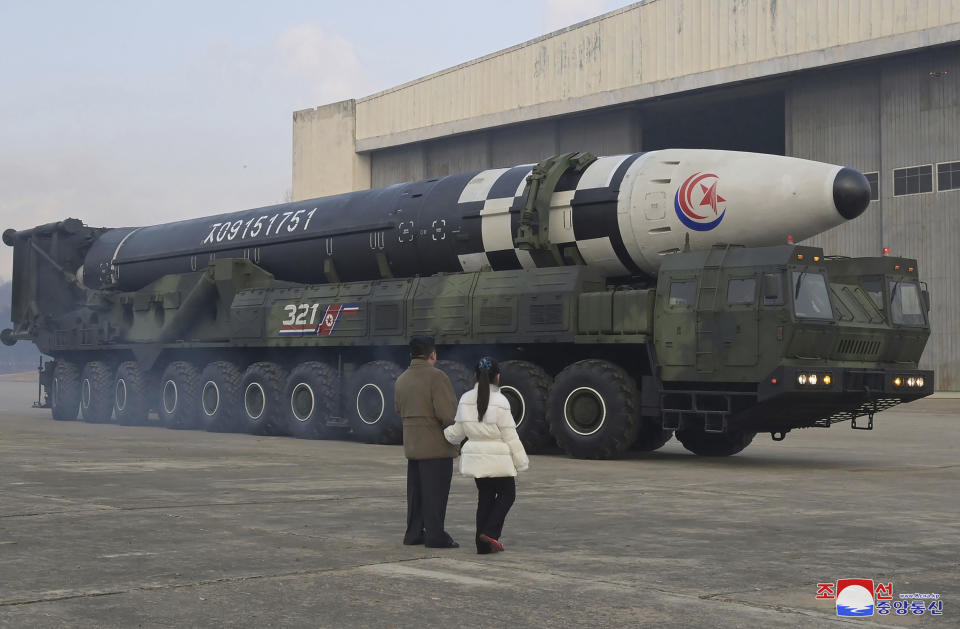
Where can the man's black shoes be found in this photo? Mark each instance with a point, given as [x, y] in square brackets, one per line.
[447, 544]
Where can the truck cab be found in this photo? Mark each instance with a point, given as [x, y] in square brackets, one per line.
[769, 339]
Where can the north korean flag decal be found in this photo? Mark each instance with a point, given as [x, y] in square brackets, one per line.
[331, 317]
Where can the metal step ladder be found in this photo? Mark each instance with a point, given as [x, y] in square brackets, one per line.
[707, 306]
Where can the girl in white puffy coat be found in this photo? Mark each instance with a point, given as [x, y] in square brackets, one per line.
[493, 453]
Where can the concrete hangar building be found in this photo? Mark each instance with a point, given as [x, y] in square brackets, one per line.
[871, 84]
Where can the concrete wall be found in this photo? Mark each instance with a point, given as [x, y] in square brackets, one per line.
[835, 118]
[324, 159]
[461, 154]
[604, 133]
[646, 50]
[395, 165]
[881, 117]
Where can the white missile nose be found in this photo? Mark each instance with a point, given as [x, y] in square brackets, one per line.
[851, 193]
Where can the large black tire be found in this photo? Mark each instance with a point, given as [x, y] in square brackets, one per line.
[130, 404]
[369, 404]
[593, 409]
[262, 408]
[714, 444]
[312, 397]
[179, 404]
[461, 377]
[526, 386]
[651, 436]
[96, 392]
[65, 391]
[220, 403]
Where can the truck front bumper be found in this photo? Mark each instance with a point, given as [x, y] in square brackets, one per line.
[795, 397]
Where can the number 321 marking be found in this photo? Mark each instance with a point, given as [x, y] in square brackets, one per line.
[297, 314]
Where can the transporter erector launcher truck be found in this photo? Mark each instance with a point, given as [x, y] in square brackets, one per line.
[631, 298]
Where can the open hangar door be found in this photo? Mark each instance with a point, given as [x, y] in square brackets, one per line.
[734, 120]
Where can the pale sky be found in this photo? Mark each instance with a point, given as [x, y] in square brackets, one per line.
[132, 113]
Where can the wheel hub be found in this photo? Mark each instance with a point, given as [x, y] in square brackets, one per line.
[170, 397]
[370, 403]
[518, 407]
[254, 400]
[85, 393]
[121, 394]
[584, 411]
[210, 398]
[302, 402]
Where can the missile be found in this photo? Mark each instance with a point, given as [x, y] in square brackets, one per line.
[620, 214]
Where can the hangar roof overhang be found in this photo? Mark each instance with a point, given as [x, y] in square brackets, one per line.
[649, 49]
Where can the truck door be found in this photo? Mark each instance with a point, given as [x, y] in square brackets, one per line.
[737, 322]
[676, 321]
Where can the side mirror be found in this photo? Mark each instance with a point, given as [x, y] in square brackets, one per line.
[926, 299]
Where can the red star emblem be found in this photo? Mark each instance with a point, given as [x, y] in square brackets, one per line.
[710, 196]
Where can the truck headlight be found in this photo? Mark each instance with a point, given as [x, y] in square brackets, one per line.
[911, 381]
[897, 381]
[802, 378]
[812, 379]
[920, 381]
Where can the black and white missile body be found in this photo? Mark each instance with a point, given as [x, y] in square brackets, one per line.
[620, 214]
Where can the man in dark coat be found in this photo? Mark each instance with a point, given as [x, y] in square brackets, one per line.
[425, 400]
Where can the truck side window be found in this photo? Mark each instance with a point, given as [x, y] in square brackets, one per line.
[742, 291]
[905, 306]
[683, 293]
[875, 289]
[772, 289]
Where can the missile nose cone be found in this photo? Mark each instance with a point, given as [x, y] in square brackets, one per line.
[851, 193]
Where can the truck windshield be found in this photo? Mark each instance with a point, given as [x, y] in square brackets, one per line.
[905, 304]
[810, 298]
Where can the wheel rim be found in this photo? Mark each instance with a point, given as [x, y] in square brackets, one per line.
[170, 397]
[210, 398]
[518, 406]
[302, 402]
[584, 411]
[254, 400]
[370, 404]
[121, 395]
[85, 393]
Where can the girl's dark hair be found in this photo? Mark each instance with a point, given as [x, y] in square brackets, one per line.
[487, 370]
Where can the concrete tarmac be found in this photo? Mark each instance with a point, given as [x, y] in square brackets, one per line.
[109, 526]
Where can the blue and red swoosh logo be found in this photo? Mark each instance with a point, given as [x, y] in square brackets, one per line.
[699, 191]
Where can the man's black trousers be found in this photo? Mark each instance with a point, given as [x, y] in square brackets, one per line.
[428, 487]
[495, 496]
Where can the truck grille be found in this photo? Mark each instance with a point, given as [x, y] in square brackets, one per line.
[854, 347]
